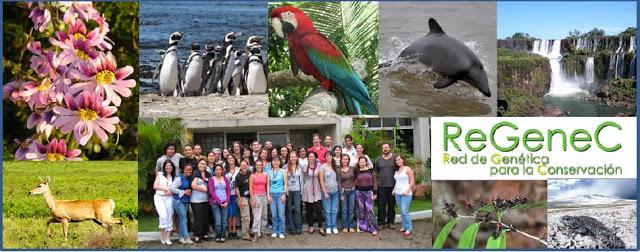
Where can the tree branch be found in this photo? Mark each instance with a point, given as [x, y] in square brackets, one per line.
[319, 103]
[285, 78]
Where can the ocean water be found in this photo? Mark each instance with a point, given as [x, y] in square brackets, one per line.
[406, 89]
[199, 21]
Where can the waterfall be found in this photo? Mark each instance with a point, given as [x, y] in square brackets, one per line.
[619, 50]
[632, 44]
[560, 86]
[589, 71]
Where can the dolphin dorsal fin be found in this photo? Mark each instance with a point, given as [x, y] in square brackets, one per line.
[434, 27]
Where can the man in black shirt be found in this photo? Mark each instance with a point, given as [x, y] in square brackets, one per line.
[385, 167]
[242, 192]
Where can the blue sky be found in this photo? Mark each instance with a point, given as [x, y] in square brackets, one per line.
[622, 188]
[550, 20]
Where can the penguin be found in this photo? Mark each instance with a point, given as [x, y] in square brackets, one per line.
[229, 59]
[256, 74]
[215, 72]
[193, 76]
[253, 40]
[207, 59]
[237, 85]
[170, 78]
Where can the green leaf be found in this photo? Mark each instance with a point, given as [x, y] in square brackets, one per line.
[468, 237]
[444, 233]
[498, 243]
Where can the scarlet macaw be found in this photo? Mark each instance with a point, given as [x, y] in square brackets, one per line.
[315, 55]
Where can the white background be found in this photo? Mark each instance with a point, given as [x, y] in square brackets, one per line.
[625, 157]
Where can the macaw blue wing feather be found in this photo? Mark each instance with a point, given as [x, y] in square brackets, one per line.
[347, 81]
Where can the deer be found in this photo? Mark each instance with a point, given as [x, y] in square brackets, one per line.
[65, 211]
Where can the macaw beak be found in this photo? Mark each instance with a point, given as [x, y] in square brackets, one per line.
[276, 23]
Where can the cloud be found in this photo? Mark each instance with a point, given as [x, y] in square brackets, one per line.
[566, 188]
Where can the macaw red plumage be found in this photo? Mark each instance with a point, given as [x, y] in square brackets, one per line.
[315, 55]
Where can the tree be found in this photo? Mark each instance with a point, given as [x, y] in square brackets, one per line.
[574, 34]
[520, 35]
[630, 31]
[595, 32]
[152, 137]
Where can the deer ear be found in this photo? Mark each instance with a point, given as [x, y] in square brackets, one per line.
[41, 179]
[47, 180]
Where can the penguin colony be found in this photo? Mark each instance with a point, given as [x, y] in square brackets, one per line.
[220, 69]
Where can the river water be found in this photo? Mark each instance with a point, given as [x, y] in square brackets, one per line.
[406, 89]
[200, 21]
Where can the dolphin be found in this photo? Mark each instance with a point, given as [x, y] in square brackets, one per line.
[448, 57]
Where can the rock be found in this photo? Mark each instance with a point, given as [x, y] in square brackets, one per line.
[550, 111]
[421, 191]
[212, 106]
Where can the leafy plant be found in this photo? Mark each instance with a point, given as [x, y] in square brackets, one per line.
[491, 214]
[353, 28]
[152, 137]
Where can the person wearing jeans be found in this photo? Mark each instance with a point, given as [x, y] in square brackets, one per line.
[329, 184]
[220, 193]
[181, 189]
[403, 192]
[294, 197]
[277, 191]
[347, 190]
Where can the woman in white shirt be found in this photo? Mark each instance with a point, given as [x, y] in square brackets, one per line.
[163, 199]
[403, 192]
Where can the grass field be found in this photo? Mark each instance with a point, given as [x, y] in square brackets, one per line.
[150, 223]
[24, 217]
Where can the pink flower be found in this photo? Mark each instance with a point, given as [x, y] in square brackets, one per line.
[85, 115]
[39, 95]
[77, 52]
[56, 150]
[40, 17]
[12, 90]
[43, 62]
[42, 120]
[77, 32]
[102, 76]
[82, 10]
[25, 146]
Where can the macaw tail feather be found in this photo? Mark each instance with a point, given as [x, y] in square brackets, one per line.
[356, 108]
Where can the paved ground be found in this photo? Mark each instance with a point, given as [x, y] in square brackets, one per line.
[204, 107]
[386, 238]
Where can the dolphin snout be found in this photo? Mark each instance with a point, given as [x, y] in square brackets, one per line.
[478, 79]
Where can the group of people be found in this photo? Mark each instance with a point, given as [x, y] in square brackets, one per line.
[267, 187]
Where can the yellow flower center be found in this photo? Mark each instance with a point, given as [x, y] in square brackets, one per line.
[82, 55]
[55, 157]
[105, 77]
[87, 114]
[45, 84]
[79, 36]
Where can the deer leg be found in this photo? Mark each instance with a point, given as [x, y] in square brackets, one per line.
[49, 221]
[65, 228]
[120, 222]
